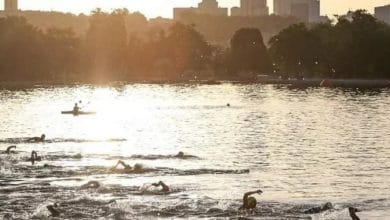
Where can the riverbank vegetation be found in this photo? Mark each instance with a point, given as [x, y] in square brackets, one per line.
[110, 50]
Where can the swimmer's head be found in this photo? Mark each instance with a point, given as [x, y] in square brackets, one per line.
[180, 154]
[328, 206]
[251, 203]
[43, 136]
[138, 166]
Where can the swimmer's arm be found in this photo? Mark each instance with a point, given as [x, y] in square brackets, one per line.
[9, 149]
[246, 195]
[165, 188]
[119, 163]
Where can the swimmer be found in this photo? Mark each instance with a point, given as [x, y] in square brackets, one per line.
[37, 139]
[91, 185]
[35, 157]
[126, 167]
[164, 186]
[319, 209]
[53, 210]
[250, 202]
[138, 168]
[8, 151]
[180, 154]
[352, 213]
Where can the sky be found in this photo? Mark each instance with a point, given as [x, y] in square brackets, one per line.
[155, 8]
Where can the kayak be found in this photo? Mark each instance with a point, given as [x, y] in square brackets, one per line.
[77, 113]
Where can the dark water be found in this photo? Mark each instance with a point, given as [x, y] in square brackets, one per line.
[301, 147]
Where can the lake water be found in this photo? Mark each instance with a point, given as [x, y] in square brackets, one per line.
[303, 148]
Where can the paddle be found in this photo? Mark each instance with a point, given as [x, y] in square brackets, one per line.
[84, 104]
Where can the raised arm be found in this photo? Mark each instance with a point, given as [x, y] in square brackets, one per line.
[246, 195]
[9, 149]
[120, 162]
[164, 186]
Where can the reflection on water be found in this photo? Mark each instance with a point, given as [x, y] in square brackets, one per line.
[301, 147]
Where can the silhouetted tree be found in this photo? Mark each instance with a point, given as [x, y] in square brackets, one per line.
[248, 52]
[106, 41]
[354, 48]
[189, 51]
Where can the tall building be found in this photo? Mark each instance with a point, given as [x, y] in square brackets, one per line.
[298, 8]
[205, 7]
[10, 5]
[253, 8]
[383, 13]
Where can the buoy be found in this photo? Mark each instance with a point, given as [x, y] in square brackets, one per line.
[326, 83]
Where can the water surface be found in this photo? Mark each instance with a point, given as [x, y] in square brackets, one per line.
[301, 147]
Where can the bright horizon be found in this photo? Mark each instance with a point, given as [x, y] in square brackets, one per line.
[164, 7]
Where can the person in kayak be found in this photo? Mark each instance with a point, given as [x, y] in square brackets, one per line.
[249, 202]
[164, 186]
[76, 108]
[37, 139]
[8, 151]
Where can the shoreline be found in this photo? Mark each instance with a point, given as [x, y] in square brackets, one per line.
[293, 83]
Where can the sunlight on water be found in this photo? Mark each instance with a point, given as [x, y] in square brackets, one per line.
[301, 147]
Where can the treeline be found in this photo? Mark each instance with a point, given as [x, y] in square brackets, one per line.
[220, 29]
[354, 47]
[108, 51]
[111, 51]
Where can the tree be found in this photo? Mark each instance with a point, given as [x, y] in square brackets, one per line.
[187, 49]
[106, 41]
[248, 52]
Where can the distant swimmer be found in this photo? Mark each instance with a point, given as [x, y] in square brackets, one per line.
[53, 210]
[76, 108]
[37, 139]
[318, 209]
[352, 213]
[91, 185]
[250, 202]
[35, 157]
[181, 155]
[128, 169]
[164, 186]
[8, 151]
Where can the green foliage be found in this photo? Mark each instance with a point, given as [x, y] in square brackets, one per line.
[349, 49]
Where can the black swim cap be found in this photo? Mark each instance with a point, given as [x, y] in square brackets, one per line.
[251, 203]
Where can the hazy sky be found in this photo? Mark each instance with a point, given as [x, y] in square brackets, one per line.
[154, 8]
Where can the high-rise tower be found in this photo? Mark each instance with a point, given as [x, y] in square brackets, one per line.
[251, 8]
[10, 5]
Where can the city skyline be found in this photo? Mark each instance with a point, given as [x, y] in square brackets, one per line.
[165, 9]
